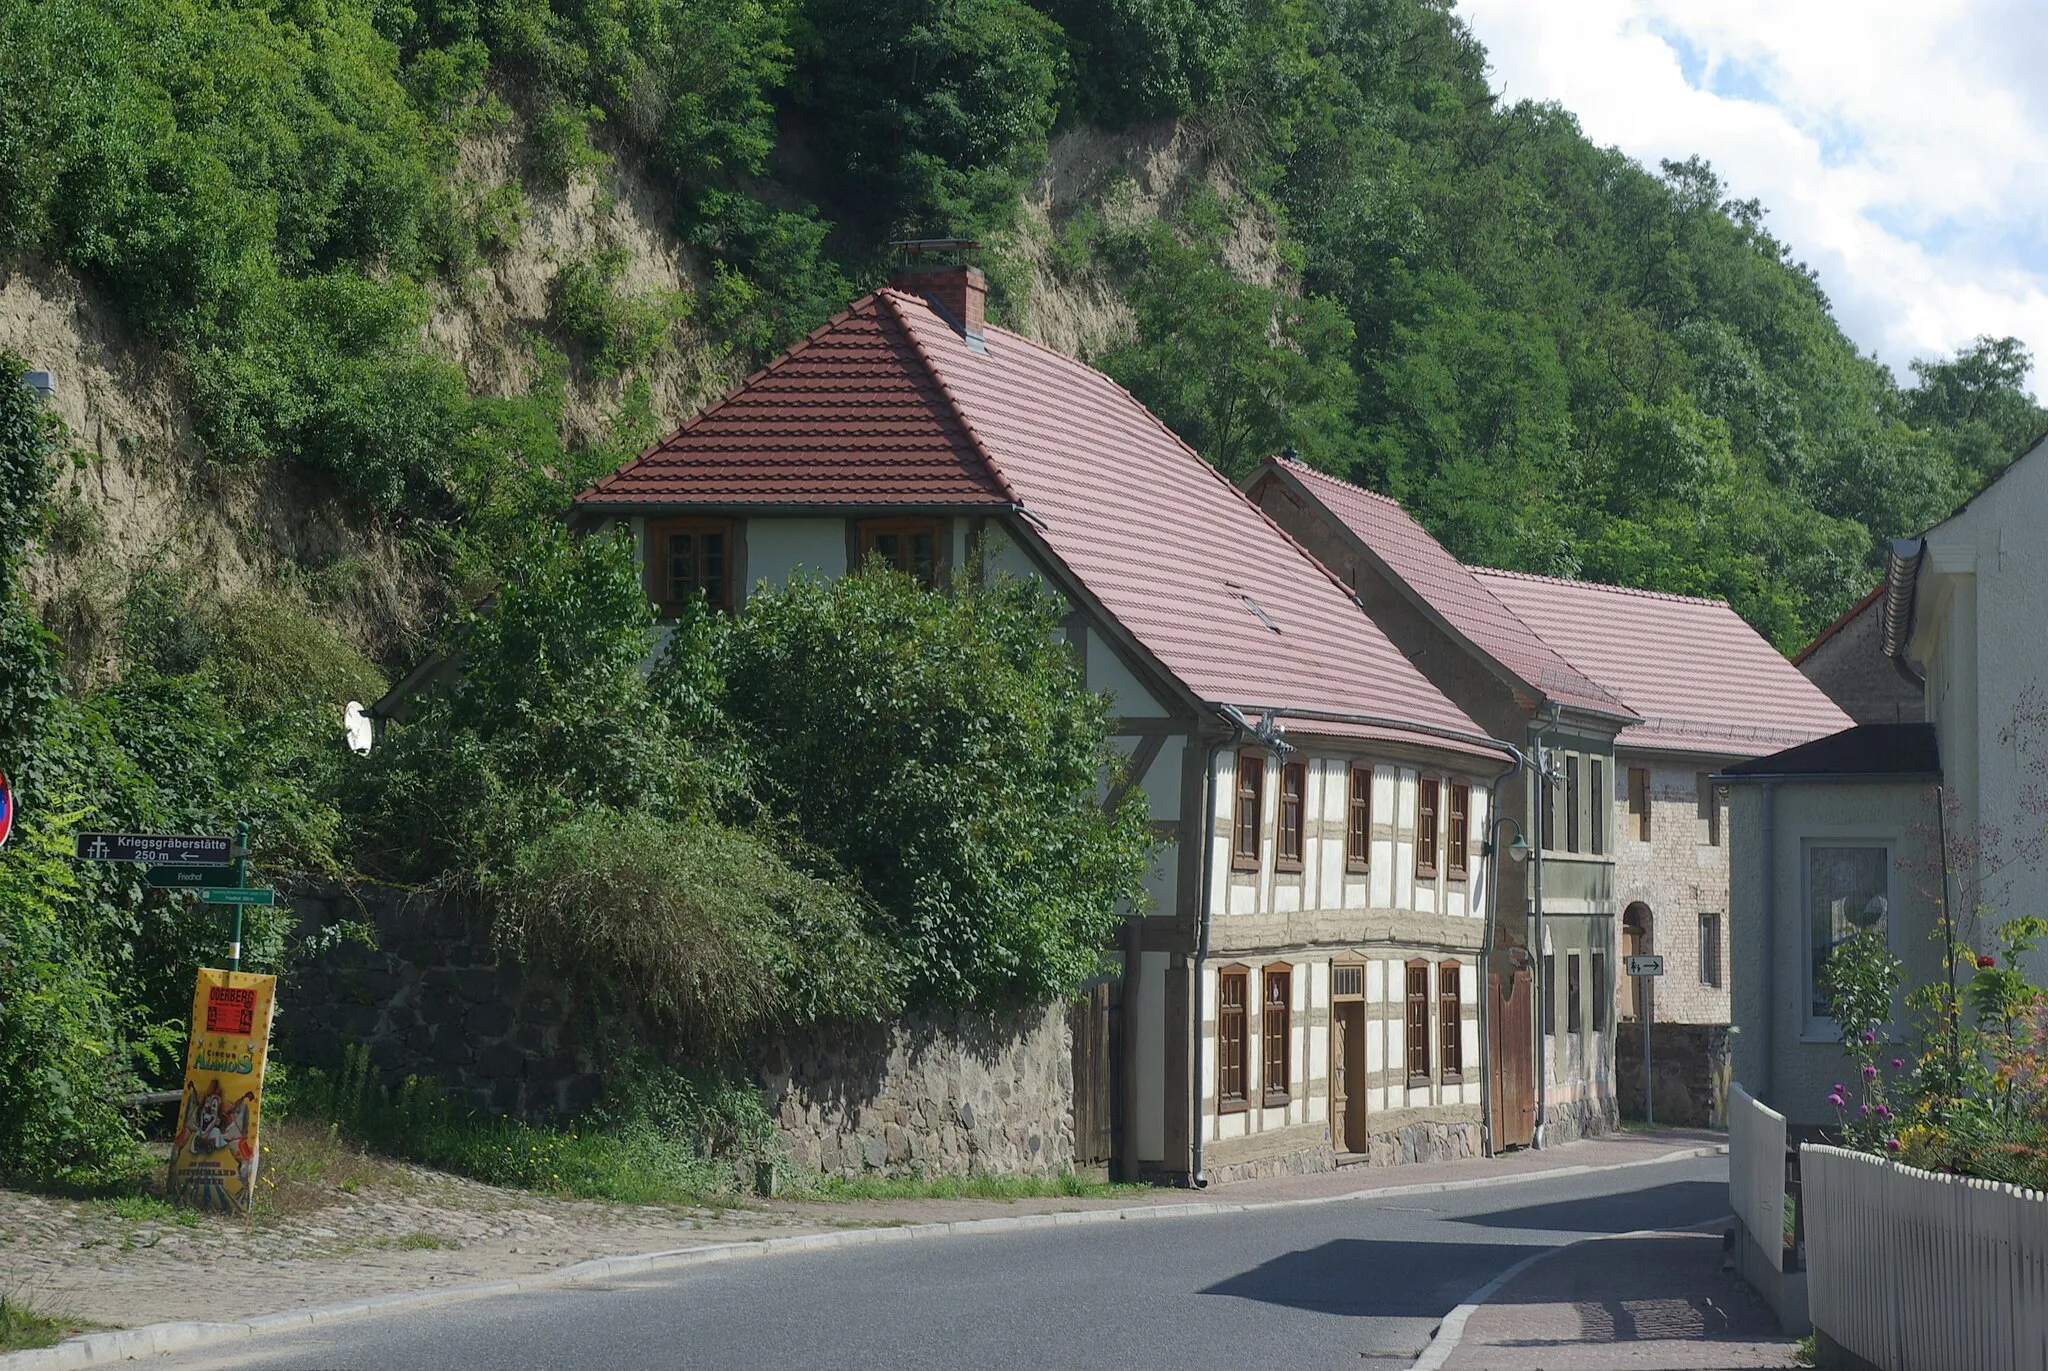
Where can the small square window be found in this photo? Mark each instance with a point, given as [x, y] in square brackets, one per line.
[692, 559]
[910, 546]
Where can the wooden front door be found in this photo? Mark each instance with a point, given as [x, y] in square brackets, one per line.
[1514, 1061]
[1097, 1038]
[1347, 1076]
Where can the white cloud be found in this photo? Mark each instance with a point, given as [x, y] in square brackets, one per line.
[1899, 147]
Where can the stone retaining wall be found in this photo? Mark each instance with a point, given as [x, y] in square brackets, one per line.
[936, 1096]
[1691, 1075]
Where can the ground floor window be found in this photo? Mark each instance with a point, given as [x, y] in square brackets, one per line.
[1418, 1023]
[1450, 1019]
[1848, 888]
[1275, 1036]
[1710, 950]
[1231, 984]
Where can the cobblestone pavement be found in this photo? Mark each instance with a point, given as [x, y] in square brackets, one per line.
[1657, 1303]
[123, 1264]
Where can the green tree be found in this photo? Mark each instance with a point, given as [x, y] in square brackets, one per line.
[945, 751]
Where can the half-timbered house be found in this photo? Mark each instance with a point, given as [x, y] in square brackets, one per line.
[1304, 989]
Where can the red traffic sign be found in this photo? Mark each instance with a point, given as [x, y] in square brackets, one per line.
[6, 809]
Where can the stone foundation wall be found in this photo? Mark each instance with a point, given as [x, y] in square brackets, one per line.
[933, 1097]
[938, 1096]
[1692, 1071]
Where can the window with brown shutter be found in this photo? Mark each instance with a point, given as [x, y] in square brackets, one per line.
[1639, 801]
[1358, 820]
[1251, 806]
[1274, 1037]
[1231, 983]
[1293, 793]
[910, 546]
[1418, 1023]
[692, 557]
[1426, 826]
[1450, 1019]
[1458, 839]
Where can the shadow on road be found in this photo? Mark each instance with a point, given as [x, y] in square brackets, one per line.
[1675, 1206]
[1359, 1278]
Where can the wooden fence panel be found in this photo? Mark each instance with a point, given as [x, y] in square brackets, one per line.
[1913, 1271]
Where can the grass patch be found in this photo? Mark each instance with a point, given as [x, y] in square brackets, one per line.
[979, 1186]
[23, 1326]
[426, 1242]
[1807, 1351]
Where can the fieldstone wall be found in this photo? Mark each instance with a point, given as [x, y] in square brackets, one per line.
[428, 998]
[936, 1096]
[929, 1096]
[1692, 1068]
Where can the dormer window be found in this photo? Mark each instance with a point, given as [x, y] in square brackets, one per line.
[910, 546]
[692, 557]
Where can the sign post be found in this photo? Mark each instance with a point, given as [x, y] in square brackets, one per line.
[1648, 969]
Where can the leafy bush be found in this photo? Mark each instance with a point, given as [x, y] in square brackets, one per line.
[616, 330]
[945, 750]
[700, 929]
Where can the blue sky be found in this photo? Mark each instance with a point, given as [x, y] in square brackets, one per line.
[1900, 149]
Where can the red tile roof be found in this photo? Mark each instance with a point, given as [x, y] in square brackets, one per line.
[849, 416]
[1702, 679]
[1448, 587]
[1176, 554]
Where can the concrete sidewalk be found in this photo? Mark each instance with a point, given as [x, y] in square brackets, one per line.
[1640, 1303]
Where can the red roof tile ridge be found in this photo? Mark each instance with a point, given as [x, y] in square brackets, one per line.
[896, 300]
[1301, 468]
[704, 412]
[1839, 624]
[1601, 586]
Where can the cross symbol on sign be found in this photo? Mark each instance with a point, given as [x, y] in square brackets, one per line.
[99, 848]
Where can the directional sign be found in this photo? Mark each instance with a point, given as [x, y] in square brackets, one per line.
[155, 848]
[189, 877]
[1645, 966]
[238, 895]
[6, 810]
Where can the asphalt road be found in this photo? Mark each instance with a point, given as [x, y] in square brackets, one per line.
[1355, 1284]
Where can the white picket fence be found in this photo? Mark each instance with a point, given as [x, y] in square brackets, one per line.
[1756, 1172]
[1913, 1271]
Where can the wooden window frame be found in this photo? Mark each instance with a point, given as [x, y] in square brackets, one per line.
[868, 531]
[1341, 972]
[1248, 810]
[1232, 1046]
[662, 587]
[1596, 817]
[1416, 1022]
[1450, 1015]
[1276, 1040]
[1574, 825]
[1290, 837]
[1639, 801]
[1428, 822]
[1458, 830]
[1358, 820]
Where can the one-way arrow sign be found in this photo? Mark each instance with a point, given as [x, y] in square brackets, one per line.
[160, 848]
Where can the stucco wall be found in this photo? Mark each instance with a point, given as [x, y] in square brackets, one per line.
[1852, 668]
[1783, 1057]
[1679, 875]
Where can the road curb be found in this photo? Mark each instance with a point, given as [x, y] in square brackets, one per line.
[159, 1339]
[1444, 1343]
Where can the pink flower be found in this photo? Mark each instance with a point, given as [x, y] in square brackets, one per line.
[1869, 1071]
[1891, 1144]
[1866, 1111]
[1836, 1100]
[1883, 1112]
[1870, 1035]
[1898, 1063]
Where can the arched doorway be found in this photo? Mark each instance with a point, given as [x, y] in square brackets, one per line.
[1638, 928]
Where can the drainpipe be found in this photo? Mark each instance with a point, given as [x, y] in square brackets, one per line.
[1198, 1177]
[1767, 1020]
[1542, 996]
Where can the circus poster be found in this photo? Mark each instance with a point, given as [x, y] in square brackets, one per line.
[214, 1153]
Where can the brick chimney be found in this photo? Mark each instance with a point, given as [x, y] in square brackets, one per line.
[961, 291]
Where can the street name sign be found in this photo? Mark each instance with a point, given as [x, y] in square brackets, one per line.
[1645, 966]
[189, 877]
[238, 895]
[155, 848]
